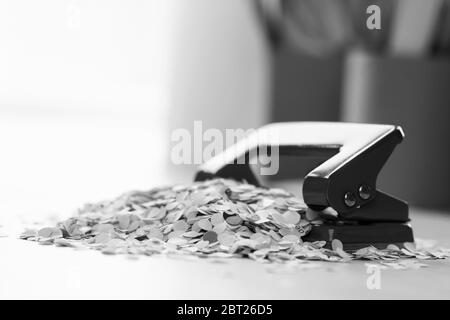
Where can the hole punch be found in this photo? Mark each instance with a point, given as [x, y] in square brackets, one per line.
[345, 182]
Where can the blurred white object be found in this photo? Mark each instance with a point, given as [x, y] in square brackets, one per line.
[53, 165]
[221, 68]
[83, 101]
[90, 89]
[107, 56]
[414, 26]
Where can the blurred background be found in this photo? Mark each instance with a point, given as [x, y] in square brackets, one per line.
[90, 90]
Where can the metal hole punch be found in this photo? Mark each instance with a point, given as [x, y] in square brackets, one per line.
[345, 182]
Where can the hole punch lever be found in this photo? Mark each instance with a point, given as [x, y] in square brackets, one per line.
[346, 182]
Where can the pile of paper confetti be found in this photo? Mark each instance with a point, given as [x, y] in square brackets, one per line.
[212, 219]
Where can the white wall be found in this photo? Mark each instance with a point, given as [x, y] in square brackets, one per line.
[77, 55]
[221, 68]
[89, 90]
[83, 101]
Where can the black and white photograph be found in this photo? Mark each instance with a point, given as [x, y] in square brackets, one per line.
[227, 156]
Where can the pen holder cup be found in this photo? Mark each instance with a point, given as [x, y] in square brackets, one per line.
[414, 94]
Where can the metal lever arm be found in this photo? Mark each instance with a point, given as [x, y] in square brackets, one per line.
[345, 182]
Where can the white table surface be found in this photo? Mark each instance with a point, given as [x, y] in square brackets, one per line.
[29, 270]
[51, 166]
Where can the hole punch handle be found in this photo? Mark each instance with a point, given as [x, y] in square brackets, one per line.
[345, 182]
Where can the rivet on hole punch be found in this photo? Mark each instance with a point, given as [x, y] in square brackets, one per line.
[350, 199]
[364, 192]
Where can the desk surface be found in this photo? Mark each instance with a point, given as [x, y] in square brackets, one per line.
[55, 181]
[29, 270]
